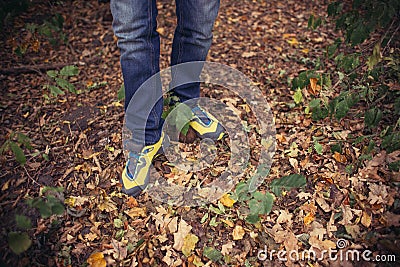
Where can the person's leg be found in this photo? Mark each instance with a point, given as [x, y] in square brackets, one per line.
[192, 40]
[135, 26]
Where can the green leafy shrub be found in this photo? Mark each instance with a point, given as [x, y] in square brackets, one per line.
[361, 74]
[59, 80]
[15, 143]
[48, 204]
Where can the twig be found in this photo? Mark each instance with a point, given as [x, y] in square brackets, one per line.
[391, 37]
[30, 177]
[33, 68]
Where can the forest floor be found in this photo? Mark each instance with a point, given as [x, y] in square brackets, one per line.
[76, 144]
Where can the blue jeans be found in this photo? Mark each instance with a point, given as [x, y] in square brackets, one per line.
[135, 26]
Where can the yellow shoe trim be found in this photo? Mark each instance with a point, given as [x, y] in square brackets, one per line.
[140, 178]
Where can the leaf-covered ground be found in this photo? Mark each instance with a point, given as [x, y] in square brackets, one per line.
[76, 145]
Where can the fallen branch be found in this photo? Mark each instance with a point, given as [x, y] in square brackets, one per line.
[33, 68]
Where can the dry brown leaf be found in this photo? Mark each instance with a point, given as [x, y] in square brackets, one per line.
[366, 219]
[120, 251]
[318, 230]
[91, 236]
[304, 195]
[107, 205]
[314, 87]
[132, 202]
[290, 242]
[238, 232]
[370, 171]
[285, 217]
[322, 204]
[348, 215]
[321, 244]
[179, 237]
[136, 212]
[226, 248]
[248, 54]
[339, 157]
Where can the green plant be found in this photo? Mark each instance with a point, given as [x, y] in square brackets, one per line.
[260, 203]
[179, 114]
[48, 204]
[58, 80]
[15, 143]
[361, 72]
[51, 29]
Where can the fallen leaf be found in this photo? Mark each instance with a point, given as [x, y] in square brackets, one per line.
[304, 195]
[366, 219]
[136, 212]
[339, 157]
[321, 244]
[228, 222]
[314, 87]
[238, 232]
[96, 260]
[322, 204]
[285, 217]
[309, 218]
[179, 237]
[189, 244]
[107, 205]
[248, 54]
[91, 236]
[227, 201]
[132, 202]
[293, 42]
[226, 248]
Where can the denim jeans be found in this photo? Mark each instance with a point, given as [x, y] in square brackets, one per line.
[135, 26]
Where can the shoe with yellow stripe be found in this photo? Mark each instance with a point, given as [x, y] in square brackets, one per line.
[206, 125]
[135, 176]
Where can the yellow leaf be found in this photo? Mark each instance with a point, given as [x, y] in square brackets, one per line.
[366, 219]
[229, 223]
[96, 260]
[117, 104]
[293, 41]
[227, 201]
[70, 201]
[309, 218]
[238, 232]
[189, 243]
[305, 50]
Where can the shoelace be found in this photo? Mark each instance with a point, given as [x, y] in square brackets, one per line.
[199, 113]
[133, 159]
